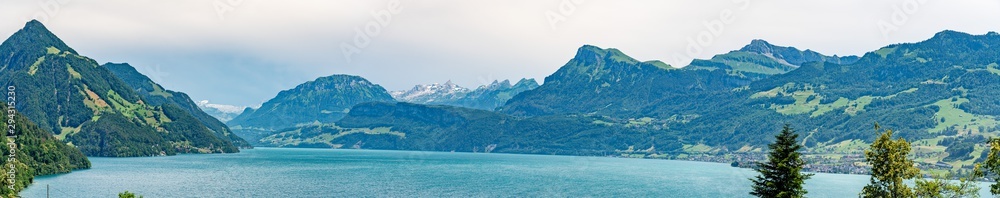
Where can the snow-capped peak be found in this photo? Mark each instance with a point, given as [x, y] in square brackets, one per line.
[221, 107]
[431, 92]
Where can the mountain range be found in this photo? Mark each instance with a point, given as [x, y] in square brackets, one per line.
[938, 93]
[596, 86]
[485, 97]
[324, 100]
[154, 94]
[606, 81]
[224, 113]
[86, 105]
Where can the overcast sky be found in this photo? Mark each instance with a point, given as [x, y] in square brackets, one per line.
[244, 52]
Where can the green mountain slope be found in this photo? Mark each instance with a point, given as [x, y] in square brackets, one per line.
[445, 128]
[607, 82]
[324, 100]
[38, 153]
[939, 93]
[156, 95]
[87, 105]
[760, 59]
[941, 87]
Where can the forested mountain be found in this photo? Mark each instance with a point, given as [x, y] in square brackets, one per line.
[37, 153]
[944, 87]
[940, 93]
[324, 100]
[600, 95]
[485, 97]
[760, 59]
[156, 95]
[608, 82]
[445, 128]
[86, 105]
[601, 90]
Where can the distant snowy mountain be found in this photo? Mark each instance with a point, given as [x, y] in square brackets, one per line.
[220, 111]
[486, 97]
[431, 93]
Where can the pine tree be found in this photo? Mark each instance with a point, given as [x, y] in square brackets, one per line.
[890, 167]
[781, 175]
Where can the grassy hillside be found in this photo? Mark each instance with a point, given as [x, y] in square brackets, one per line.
[81, 102]
[407, 126]
[154, 94]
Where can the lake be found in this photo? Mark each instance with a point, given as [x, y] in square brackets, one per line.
[290, 172]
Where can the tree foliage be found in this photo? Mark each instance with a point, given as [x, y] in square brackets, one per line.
[128, 194]
[37, 153]
[781, 175]
[991, 166]
[889, 167]
[941, 188]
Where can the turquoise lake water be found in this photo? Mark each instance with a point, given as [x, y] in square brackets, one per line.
[287, 172]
